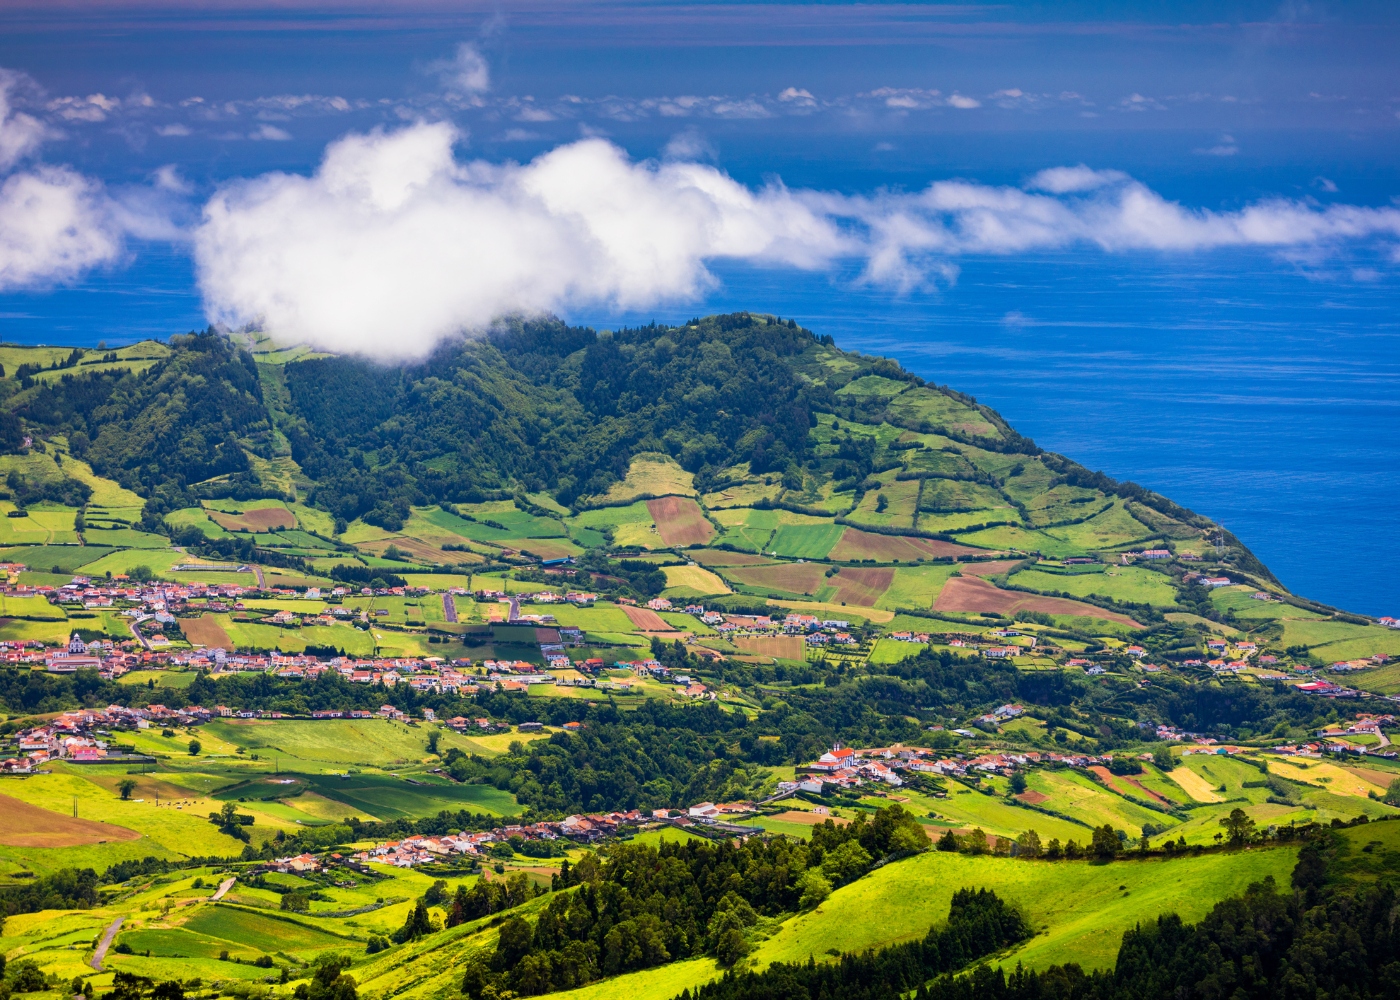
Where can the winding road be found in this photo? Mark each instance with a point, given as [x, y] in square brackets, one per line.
[105, 943]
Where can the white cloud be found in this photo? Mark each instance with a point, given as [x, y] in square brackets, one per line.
[799, 97]
[467, 73]
[689, 145]
[20, 134]
[271, 133]
[167, 178]
[1225, 147]
[54, 224]
[174, 129]
[959, 101]
[1067, 180]
[393, 244]
[93, 108]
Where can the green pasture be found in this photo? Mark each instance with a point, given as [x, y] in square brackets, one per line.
[1121, 583]
[44, 557]
[387, 797]
[808, 540]
[1080, 908]
[915, 587]
[963, 808]
[125, 560]
[894, 651]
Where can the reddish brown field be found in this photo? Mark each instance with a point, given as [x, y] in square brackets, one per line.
[24, 825]
[795, 578]
[861, 585]
[719, 557]
[994, 568]
[856, 544]
[263, 519]
[1033, 798]
[647, 620]
[784, 647]
[1115, 782]
[206, 631]
[963, 593]
[679, 521]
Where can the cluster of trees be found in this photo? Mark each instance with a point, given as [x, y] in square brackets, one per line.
[65, 889]
[979, 924]
[643, 906]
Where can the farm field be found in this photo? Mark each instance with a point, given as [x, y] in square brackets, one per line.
[1121, 583]
[975, 594]
[856, 545]
[680, 521]
[692, 581]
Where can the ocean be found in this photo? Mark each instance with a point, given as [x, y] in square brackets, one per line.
[1258, 392]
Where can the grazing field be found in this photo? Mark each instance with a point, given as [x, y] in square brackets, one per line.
[368, 742]
[973, 594]
[722, 558]
[692, 581]
[650, 475]
[1081, 909]
[680, 521]
[1120, 583]
[806, 541]
[26, 825]
[790, 578]
[900, 504]
[863, 585]
[265, 933]
[915, 586]
[992, 567]
[783, 647]
[388, 797]
[894, 650]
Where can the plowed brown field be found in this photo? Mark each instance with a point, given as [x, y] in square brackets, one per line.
[856, 544]
[963, 593]
[680, 521]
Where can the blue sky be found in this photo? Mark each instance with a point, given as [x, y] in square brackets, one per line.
[1197, 200]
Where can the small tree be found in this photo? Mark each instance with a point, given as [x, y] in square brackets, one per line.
[126, 786]
[416, 924]
[948, 842]
[1105, 843]
[815, 888]
[976, 842]
[1018, 783]
[1392, 793]
[195, 747]
[1238, 827]
[1163, 758]
[1029, 843]
[434, 737]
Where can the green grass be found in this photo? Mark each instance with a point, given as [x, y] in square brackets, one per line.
[366, 742]
[915, 587]
[126, 537]
[253, 930]
[1080, 796]
[965, 809]
[894, 651]
[661, 983]
[43, 557]
[392, 798]
[124, 560]
[1078, 906]
[30, 607]
[1121, 583]
[807, 541]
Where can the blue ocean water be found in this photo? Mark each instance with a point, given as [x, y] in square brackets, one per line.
[1259, 393]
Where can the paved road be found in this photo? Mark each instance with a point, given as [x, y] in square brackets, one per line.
[105, 943]
[257, 571]
[449, 607]
[514, 615]
[145, 644]
[224, 887]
